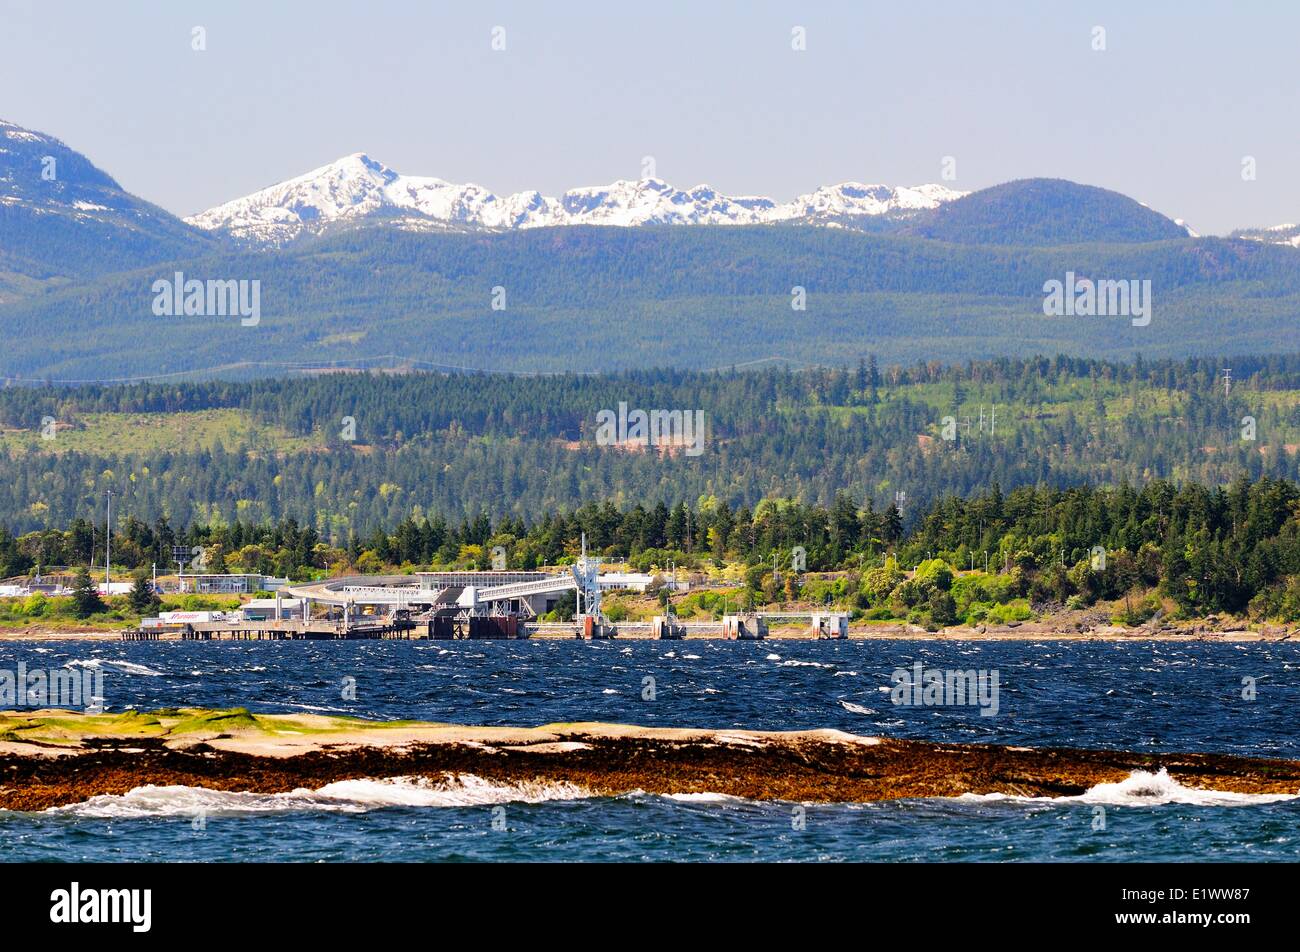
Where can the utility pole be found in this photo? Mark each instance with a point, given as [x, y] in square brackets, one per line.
[108, 538]
[1227, 380]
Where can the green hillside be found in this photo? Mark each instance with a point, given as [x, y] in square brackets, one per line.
[603, 299]
[463, 445]
[1045, 212]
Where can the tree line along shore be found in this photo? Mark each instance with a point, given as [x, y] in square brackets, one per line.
[1162, 555]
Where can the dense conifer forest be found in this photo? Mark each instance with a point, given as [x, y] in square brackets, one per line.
[995, 556]
[590, 298]
[981, 492]
[347, 454]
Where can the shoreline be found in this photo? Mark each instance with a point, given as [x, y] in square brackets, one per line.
[57, 758]
[1025, 631]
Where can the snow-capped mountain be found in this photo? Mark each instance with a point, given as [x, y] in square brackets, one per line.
[62, 217]
[40, 173]
[1288, 234]
[43, 177]
[357, 189]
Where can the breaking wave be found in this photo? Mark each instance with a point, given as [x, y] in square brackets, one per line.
[111, 664]
[855, 708]
[344, 796]
[1144, 789]
[706, 798]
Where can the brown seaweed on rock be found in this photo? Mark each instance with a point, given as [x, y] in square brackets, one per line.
[50, 759]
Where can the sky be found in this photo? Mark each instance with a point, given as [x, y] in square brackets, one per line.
[1167, 112]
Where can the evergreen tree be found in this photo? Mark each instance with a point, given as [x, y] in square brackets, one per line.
[85, 599]
[892, 529]
[144, 600]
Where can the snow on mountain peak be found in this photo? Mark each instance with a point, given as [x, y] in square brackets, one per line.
[1286, 234]
[358, 187]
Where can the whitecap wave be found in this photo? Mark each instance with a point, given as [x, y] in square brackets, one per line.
[463, 790]
[1144, 789]
[127, 667]
[855, 708]
[705, 798]
[318, 708]
[1141, 788]
[343, 796]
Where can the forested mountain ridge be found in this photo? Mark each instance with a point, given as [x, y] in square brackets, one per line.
[1041, 211]
[81, 261]
[602, 299]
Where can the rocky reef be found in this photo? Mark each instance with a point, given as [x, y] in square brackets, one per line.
[54, 758]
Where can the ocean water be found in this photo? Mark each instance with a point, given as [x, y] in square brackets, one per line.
[1122, 695]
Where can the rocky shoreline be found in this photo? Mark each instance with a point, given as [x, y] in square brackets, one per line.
[55, 758]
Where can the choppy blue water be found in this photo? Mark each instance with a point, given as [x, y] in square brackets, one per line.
[1138, 696]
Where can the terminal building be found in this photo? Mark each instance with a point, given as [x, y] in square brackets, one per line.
[227, 584]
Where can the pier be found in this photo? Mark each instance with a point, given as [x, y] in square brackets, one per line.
[452, 626]
[370, 629]
[385, 628]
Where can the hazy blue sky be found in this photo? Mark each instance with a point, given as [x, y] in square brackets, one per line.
[713, 91]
